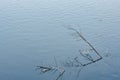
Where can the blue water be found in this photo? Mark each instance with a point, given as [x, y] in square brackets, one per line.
[33, 32]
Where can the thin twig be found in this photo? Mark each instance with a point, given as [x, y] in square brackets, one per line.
[81, 36]
[78, 61]
[55, 62]
[52, 68]
[60, 75]
[92, 62]
[89, 58]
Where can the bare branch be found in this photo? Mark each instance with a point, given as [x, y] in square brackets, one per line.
[82, 37]
[61, 74]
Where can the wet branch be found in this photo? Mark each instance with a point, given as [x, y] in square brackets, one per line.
[84, 39]
[44, 69]
[75, 62]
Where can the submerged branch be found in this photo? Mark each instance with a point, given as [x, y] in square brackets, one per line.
[84, 39]
[74, 62]
[86, 56]
[45, 69]
[61, 74]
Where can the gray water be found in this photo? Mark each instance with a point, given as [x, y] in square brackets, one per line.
[32, 32]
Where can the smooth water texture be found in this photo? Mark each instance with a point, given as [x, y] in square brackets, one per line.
[33, 32]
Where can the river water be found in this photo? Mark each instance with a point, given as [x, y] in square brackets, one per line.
[33, 32]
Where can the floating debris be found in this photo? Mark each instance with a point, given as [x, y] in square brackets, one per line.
[75, 62]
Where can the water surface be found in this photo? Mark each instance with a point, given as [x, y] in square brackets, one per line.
[32, 32]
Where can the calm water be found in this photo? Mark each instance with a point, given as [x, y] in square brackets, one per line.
[32, 32]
